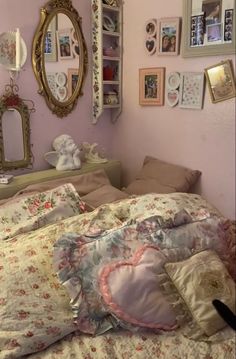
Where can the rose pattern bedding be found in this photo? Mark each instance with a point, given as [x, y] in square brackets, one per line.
[35, 309]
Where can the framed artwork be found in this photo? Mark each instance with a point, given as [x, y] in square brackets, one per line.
[205, 30]
[169, 34]
[191, 90]
[50, 42]
[64, 42]
[151, 86]
[72, 76]
[220, 80]
[151, 36]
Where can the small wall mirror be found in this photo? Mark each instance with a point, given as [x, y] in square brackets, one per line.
[59, 56]
[15, 149]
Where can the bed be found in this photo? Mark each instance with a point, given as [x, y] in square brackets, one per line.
[65, 256]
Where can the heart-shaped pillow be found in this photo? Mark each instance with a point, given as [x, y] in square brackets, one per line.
[132, 291]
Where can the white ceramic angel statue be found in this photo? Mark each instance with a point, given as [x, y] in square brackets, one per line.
[91, 155]
[66, 155]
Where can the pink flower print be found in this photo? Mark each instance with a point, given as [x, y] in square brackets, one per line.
[31, 269]
[21, 315]
[20, 292]
[93, 349]
[29, 334]
[39, 346]
[35, 286]
[38, 324]
[1, 267]
[50, 318]
[36, 202]
[3, 301]
[32, 209]
[14, 259]
[48, 205]
[30, 252]
[11, 344]
[53, 331]
[46, 295]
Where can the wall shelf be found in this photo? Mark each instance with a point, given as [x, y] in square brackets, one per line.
[107, 70]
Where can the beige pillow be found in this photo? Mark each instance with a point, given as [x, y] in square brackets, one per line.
[83, 184]
[199, 280]
[102, 195]
[162, 177]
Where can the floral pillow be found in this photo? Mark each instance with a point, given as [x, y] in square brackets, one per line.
[79, 259]
[35, 211]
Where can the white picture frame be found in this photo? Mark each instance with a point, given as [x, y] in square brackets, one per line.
[191, 90]
[168, 36]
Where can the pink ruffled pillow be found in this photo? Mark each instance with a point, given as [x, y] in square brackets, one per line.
[132, 289]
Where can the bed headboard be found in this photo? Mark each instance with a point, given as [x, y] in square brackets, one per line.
[112, 169]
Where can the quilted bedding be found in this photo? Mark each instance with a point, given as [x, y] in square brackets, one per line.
[35, 313]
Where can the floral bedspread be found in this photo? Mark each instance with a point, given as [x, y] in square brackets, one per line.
[127, 345]
[35, 311]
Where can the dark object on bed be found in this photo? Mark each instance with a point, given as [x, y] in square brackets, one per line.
[225, 313]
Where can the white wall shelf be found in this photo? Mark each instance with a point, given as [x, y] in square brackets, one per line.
[107, 31]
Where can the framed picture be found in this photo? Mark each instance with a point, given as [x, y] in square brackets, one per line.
[169, 35]
[205, 31]
[151, 86]
[50, 43]
[64, 43]
[191, 90]
[220, 80]
[151, 36]
[72, 76]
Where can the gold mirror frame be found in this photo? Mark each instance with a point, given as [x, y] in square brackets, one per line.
[10, 100]
[47, 13]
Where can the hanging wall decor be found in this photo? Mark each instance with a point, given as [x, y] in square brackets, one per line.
[151, 36]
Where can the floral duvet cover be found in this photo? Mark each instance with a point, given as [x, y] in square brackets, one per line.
[35, 315]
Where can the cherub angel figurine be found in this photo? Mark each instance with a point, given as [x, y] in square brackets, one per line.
[91, 155]
[66, 155]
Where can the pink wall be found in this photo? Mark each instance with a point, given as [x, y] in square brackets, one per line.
[200, 139]
[44, 125]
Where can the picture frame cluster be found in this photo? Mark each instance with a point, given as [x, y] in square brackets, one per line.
[163, 36]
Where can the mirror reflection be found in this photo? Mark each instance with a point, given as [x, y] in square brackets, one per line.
[59, 56]
[13, 144]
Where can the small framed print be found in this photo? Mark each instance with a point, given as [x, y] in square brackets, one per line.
[213, 33]
[151, 86]
[220, 80]
[151, 36]
[73, 77]
[50, 43]
[169, 35]
[228, 25]
[64, 42]
[191, 90]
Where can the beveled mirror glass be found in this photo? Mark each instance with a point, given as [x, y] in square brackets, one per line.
[59, 56]
[15, 149]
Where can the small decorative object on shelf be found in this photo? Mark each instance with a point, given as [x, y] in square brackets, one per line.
[91, 154]
[107, 58]
[5, 179]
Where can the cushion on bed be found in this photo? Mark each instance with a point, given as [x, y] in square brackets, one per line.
[131, 289]
[199, 280]
[162, 177]
[83, 183]
[78, 259]
[105, 194]
[30, 212]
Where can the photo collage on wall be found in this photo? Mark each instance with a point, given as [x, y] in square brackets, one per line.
[213, 24]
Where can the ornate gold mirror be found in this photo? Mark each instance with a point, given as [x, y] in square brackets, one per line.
[15, 150]
[59, 56]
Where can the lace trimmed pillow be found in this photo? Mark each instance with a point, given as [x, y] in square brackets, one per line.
[198, 281]
[35, 211]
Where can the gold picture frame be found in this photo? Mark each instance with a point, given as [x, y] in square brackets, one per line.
[220, 80]
[73, 77]
[197, 40]
[151, 86]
